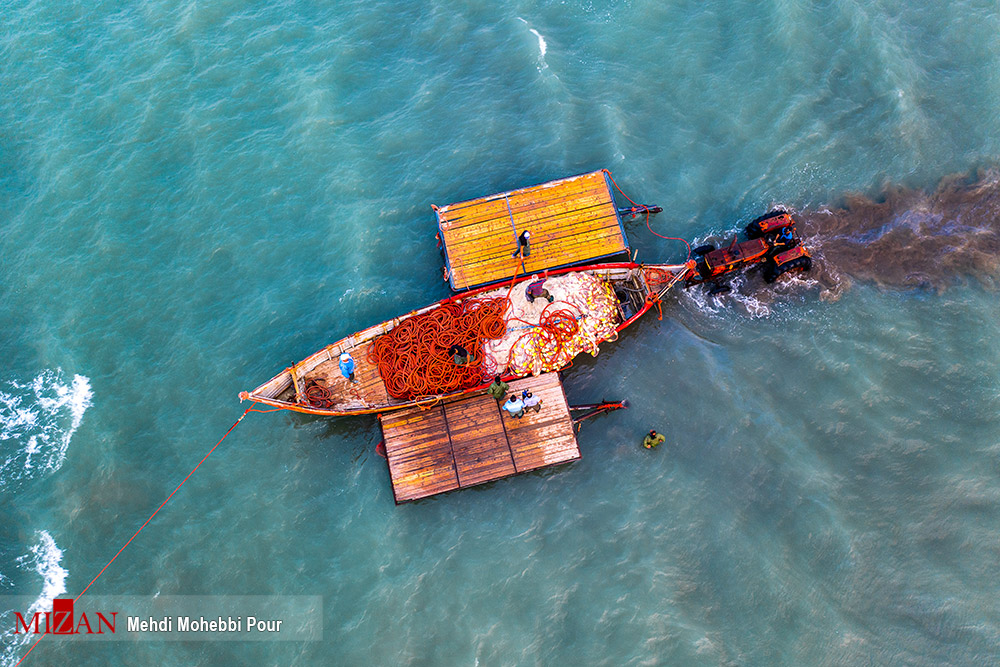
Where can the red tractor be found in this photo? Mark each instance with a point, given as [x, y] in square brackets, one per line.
[773, 242]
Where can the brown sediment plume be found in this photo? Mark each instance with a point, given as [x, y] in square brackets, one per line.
[908, 238]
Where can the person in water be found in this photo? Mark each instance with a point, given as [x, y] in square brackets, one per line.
[498, 389]
[347, 367]
[460, 354]
[653, 440]
[514, 406]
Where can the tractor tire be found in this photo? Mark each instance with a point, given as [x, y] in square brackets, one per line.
[703, 249]
[771, 272]
[753, 229]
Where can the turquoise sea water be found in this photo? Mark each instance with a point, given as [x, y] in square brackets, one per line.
[193, 195]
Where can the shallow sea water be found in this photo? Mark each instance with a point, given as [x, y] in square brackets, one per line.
[193, 195]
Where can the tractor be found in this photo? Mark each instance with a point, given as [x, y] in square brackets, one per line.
[772, 240]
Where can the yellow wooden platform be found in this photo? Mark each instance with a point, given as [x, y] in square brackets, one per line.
[571, 221]
[470, 440]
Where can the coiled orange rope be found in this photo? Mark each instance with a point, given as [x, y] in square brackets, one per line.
[413, 358]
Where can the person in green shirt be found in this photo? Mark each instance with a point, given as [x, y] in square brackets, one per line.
[460, 354]
[652, 440]
[498, 389]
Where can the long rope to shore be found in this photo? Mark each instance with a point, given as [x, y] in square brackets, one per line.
[77, 598]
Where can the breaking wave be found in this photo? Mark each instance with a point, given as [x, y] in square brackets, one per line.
[45, 558]
[543, 46]
[37, 421]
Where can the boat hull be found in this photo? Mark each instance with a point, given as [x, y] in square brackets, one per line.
[638, 287]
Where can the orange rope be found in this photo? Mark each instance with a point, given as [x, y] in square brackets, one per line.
[77, 598]
[658, 302]
[547, 339]
[413, 357]
[646, 209]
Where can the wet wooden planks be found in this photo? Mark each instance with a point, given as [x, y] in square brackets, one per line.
[470, 440]
[572, 220]
[369, 388]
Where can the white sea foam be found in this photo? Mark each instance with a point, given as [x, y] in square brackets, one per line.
[543, 46]
[45, 558]
[37, 421]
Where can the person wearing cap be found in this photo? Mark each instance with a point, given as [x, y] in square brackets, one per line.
[514, 406]
[531, 402]
[498, 389]
[347, 366]
[652, 440]
[522, 244]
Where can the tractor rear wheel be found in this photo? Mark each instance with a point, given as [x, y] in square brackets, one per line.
[771, 272]
[753, 229]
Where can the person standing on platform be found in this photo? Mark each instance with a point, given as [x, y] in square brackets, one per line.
[347, 367]
[653, 440]
[531, 402]
[522, 244]
[514, 406]
[498, 389]
[460, 354]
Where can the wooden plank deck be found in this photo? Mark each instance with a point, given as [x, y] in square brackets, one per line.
[470, 440]
[572, 221]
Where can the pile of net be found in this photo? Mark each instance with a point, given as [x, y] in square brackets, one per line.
[543, 336]
[413, 357]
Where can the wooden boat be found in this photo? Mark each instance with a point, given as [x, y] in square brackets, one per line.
[596, 302]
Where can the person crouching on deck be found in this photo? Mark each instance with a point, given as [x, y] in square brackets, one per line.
[347, 367]
[460, 354]
[536, 291]
[498, 389]
[514, 406]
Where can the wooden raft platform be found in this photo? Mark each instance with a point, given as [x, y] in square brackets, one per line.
[571, 221]
[470, 440]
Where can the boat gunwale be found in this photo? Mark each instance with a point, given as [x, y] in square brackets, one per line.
[364, 336]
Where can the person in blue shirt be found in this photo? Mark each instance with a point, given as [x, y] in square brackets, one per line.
[785, 237]
[514, 406]
[347, 366]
